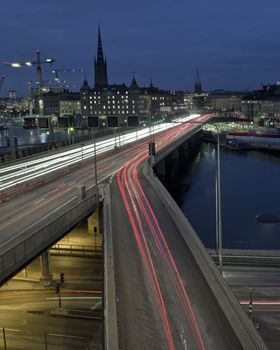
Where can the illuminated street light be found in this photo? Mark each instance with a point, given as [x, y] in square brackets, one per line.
[219, 248]
[16, 65]
[268, 218]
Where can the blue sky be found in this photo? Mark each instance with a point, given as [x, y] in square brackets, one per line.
[235, 43]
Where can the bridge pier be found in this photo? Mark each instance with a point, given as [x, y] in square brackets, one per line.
[93, 223]
[177, 162]
[46, 275]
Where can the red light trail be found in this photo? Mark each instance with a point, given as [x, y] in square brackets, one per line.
[141, 215]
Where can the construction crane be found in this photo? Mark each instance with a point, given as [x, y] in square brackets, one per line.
[38, 63]
[56, 74]
[73, 70]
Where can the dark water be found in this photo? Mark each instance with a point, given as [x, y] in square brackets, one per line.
[250, 184]
[35, 136]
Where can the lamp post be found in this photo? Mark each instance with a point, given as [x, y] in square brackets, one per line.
[95, 165]
[219, 248]
[218, 204]
[82, 150]
[152, 147]
[268, 218]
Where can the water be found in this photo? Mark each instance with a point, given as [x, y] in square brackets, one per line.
[250, 184]
[35, 136]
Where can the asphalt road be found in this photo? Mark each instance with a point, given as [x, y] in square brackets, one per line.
[262, 284]
[163, 300]
[29, 310]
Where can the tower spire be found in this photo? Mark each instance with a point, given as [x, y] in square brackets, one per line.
[100, 57]
[100, 65]
[197, 86]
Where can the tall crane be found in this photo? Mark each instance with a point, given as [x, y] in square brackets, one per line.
[73, 70]
[38, 63]
[56, 74]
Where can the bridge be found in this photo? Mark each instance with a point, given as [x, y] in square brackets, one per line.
[162, 290]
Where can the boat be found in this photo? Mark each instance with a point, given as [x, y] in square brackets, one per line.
[255, 140]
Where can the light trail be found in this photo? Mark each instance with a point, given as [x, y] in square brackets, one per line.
[168, 258]
[29, 170]
[132, 194]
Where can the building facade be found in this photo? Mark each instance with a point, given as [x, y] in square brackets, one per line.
[104, 100]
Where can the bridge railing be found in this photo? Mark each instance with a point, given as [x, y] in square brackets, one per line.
[236, 317]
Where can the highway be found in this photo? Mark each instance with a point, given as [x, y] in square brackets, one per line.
[164, 301]
[32, 199]
[157, 277]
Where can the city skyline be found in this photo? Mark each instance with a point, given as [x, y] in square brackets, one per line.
[233, 45]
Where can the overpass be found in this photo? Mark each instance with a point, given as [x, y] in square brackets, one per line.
[168, 293]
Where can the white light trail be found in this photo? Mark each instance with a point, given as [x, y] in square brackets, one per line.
[26, 171]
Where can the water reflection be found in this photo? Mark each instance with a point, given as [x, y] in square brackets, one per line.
[250, 184]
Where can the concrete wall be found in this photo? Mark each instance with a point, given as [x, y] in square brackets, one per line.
[20, 251]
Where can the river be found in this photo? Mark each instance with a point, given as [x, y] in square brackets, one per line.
[250, 184]
[35, 136]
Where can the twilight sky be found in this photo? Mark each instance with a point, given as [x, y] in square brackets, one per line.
[234, 42]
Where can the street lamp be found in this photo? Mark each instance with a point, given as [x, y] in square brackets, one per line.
[218, 203]
[219, 248]
[95, 165]
[267, 218]
[152, 147]
[82, 150]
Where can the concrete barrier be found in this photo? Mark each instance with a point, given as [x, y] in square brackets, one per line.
[111, 341]
[238, 320]
[30, 243]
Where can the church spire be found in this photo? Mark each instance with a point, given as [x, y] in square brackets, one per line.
[197, 86]
[100, 58]
[100, 65]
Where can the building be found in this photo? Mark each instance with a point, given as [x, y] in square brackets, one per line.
[264, 103]
[70, 106]
[199, 97]
[225, 101]
[13, 94]
[105, 100]
[49, 102]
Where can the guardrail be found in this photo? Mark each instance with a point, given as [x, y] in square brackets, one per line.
[12, 338]
[239, 322]
[76, 249]
[18, 252]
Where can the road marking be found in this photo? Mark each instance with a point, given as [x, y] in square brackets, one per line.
[96, 305]
[13, 330]
[81, 291]
[40, 200]
[36, 222]
[65, 336]
[182, 335]
[73, 298]
[260, 302]
[72, 183]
